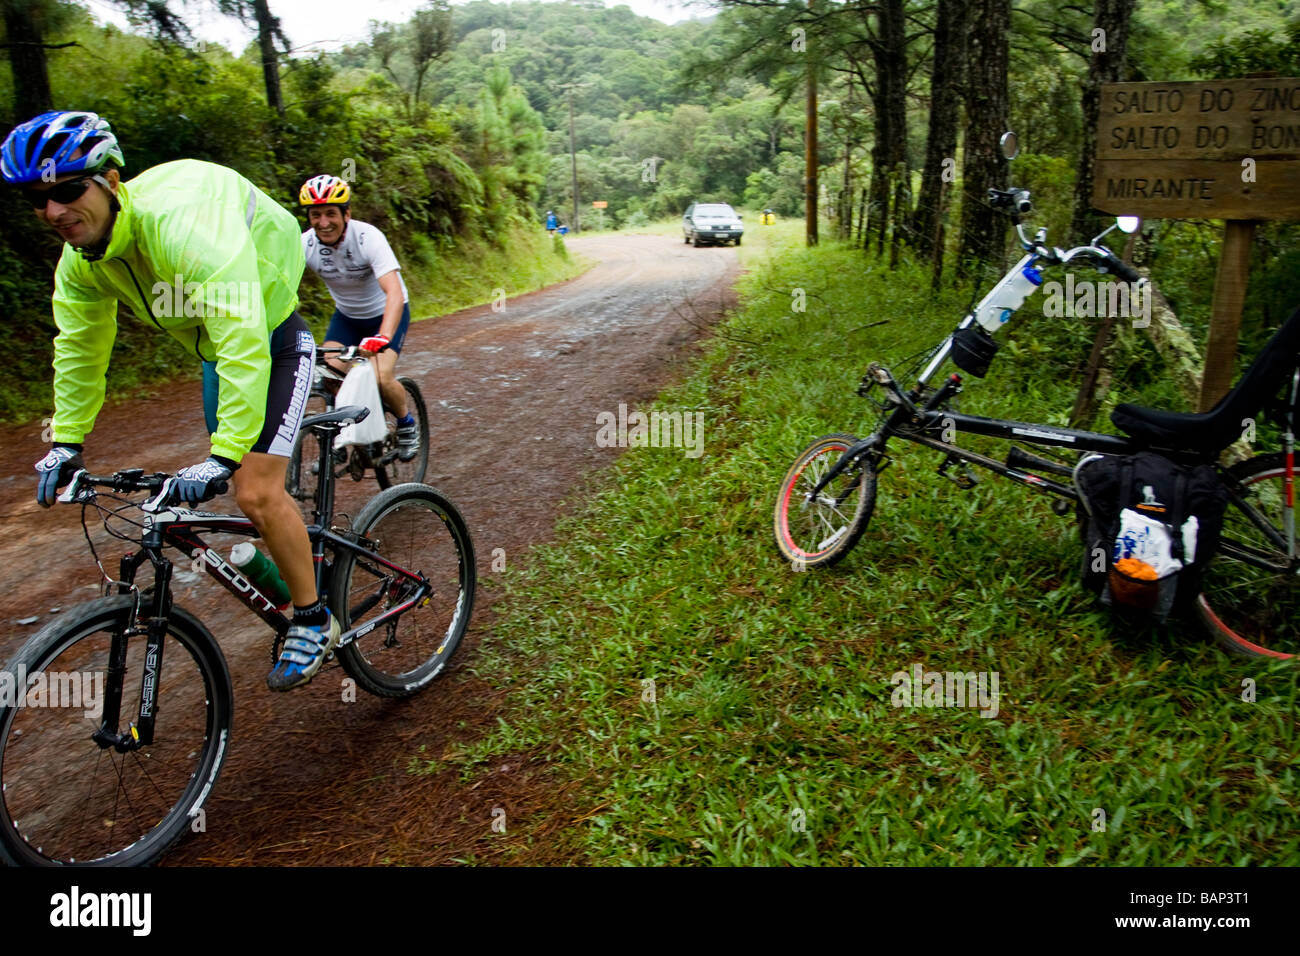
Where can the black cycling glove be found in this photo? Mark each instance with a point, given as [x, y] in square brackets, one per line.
[203, 481]
[56, 470]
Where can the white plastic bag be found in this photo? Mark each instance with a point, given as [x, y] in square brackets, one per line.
[360, 388]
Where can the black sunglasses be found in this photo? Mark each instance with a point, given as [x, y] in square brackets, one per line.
[68, 191]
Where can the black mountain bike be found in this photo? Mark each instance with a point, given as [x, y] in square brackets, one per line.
[381, 458]
[124, 714]
[1250, 600]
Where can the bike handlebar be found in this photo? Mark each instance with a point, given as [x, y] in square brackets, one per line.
[1016, 200]
[346, 353]
[128, 480]
[1102, 258]
[1123, 269]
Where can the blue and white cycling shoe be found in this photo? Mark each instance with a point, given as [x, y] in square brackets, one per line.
[305, 650]
[408, 440]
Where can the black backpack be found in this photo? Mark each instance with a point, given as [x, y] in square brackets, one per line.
[1160, 497]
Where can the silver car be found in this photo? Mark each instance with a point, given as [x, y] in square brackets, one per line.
[711, 222]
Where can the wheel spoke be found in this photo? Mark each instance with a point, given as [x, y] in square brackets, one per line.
[418, 531]
[63, 797]
[826, 525]
[1250, 588]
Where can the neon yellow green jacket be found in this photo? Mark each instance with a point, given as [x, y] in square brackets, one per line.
[196, 250]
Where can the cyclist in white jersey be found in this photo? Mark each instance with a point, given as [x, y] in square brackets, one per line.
[371, 307]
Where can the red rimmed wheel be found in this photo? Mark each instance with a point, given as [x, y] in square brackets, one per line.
[820, 533]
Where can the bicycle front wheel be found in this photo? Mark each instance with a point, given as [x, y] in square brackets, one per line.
[820, 533]
[392, 470]
[1252, 607]
[413, 535]
[66, 799]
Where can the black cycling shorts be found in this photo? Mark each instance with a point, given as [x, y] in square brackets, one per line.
[346, 330]
[293, 352]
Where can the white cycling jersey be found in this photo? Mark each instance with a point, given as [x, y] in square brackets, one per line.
[351, 269]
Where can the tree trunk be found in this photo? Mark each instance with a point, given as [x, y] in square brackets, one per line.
[982, 227]
[846, 194]
[889, 192]
[941, 141]
[893, 70]
[810, 150]
[267, 27]
[1106, 65]
[879, 190]
[25, 27]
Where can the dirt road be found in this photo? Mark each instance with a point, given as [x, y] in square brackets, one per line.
[513, 396]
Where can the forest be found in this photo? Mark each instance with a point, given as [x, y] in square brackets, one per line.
[468, 122]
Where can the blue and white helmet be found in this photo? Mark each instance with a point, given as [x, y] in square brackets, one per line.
[46, 147]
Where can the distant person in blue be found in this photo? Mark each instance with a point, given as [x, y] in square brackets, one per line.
[552, 221]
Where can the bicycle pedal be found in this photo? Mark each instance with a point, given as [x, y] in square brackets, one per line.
[965, 480]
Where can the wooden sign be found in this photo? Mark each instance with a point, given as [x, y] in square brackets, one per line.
[1210, 149]
[600, 204]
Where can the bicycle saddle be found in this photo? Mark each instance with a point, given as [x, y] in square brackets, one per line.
[337, 419]
[1210, 432]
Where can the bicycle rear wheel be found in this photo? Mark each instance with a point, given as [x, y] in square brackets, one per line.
[64, 799]
[820, 533]
[414, 534]
[302, 477]
[1251, 610]
[392, 470]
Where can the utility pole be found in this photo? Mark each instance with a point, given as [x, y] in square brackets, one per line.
[573, 152]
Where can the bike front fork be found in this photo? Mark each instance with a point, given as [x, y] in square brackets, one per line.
[139, 732]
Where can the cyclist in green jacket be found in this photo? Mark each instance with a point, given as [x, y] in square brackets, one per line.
[198, 251]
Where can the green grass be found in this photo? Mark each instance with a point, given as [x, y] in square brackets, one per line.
[768, 736]
[145, 362]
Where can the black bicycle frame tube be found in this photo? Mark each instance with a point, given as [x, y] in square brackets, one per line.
[323, 502]
[1029, 480]
[1027, 432]
[423, 591]
[183, 537]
